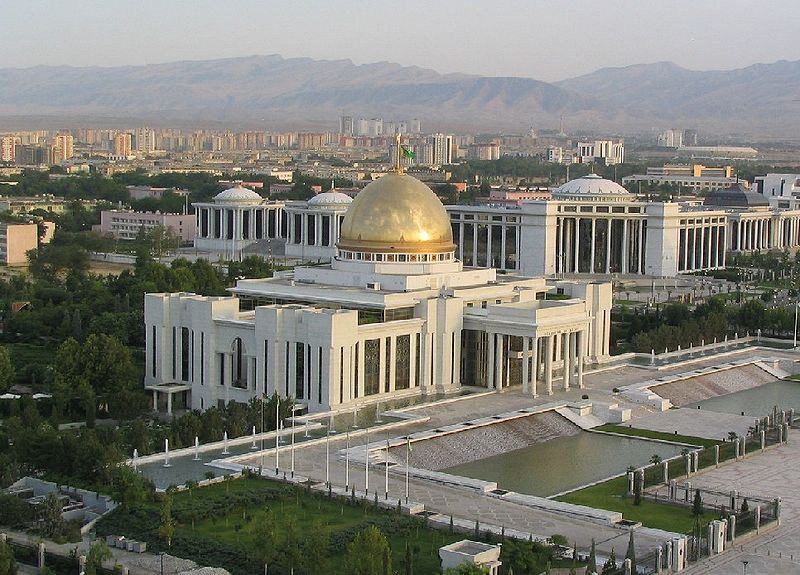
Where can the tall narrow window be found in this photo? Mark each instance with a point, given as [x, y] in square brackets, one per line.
[319, 375]
[202, 358]
[299, 370]
[174, 353]
[266, 364]
[341, 375]
[185, 359]
[355, 372]
[286, 370]
[153, 349]
[239, 366]
[388, 364]
[418, 362]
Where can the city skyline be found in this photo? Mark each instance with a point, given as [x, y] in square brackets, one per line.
[539, 40]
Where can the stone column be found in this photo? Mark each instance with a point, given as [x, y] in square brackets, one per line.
[579, 356]
[535, 367]
[169, 403]
[525, 354]
[716, 455]
[665, 464]
[499, 361]
[492, 364]
[732, 526]
[567, 359]
[548, 364]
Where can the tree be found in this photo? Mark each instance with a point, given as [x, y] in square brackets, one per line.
[128, 487]
[655, 459]
[365, 553]
[631, 553]
[8, 565]
[697, 504]
[591, 564]
[98, 553]
[49, 515]
[610, 566]
[6, 370]
[167, 528]
[264, 541]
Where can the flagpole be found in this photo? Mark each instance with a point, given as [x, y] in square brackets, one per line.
[328, 458]
[408, 449]
[277, 433]
[366, 461]
[292, 450]
[347, 463]
[386, 472]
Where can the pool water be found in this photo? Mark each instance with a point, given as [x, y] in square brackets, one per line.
[564, 463]
[757, 402]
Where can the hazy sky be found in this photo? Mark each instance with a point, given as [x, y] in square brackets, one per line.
[547, 40]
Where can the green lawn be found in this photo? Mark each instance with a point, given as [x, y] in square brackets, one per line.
[610, 495]
[647, 434]
[226, 515]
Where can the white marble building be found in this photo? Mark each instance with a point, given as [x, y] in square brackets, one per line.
[395, 313]
[595, 226]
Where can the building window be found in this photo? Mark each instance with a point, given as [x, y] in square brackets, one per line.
[299, 370]
[185, 359]
[266, 364]
[402, 362]
[372, 366]
[388, 364]
[153, 348]
[239, 375]
[174, 353]
[202, 358]
[319, 375]
[418, 362]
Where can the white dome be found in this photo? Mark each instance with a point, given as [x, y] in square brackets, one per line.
[330, 199]
[589, 187]
[238, 195]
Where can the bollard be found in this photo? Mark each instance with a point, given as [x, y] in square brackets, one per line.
[732, 527]
[785, 432]
[736, 448]
[763, 440]
[688, 487]
[673, 489]
[780, 434]
[688, 464]
[666, 471]
[630, 482]
[696, 458]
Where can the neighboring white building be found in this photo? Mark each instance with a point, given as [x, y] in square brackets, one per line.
[394, 314]
[608, 152]
[485, 555]
[595, 226]
[126, 224]
[235, 219]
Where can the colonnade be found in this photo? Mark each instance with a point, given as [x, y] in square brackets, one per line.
[313, 227]
[701, 246]
[238, 223]
[600, 245]
[539, 357]
[765, 233]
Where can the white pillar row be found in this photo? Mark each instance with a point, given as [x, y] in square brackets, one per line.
[580, 346]
[575, 244]
[525, 354]
[548, 364]
[567, 359]
[535, 366]
[492, 366]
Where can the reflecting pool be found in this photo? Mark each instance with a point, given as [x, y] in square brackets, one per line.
[564, 463]
[757, 401]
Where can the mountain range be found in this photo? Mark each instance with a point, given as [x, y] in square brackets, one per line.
[762, 100]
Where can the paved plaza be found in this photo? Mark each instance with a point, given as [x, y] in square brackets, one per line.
[473, 505]
[770, 474]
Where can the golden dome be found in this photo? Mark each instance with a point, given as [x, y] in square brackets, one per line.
[396, 213]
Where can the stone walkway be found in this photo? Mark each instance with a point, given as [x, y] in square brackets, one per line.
[771, 474]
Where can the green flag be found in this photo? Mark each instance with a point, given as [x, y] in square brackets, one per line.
[407, 153]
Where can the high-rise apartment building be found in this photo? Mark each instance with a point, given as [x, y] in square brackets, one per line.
[145, 140]
[123, 144]
[346, 125]
[62, 148]
[7, 144]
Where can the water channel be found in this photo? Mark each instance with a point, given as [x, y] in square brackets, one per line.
[757, 401]
[564, 463]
